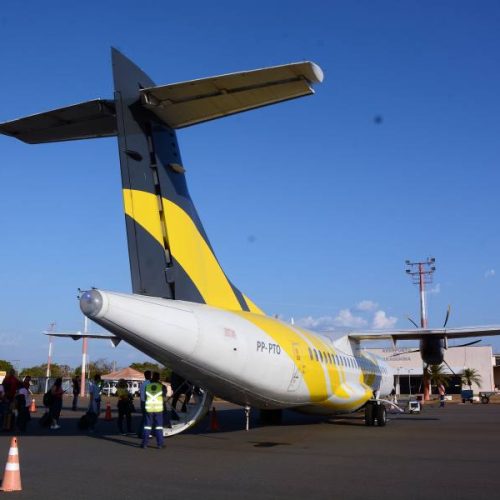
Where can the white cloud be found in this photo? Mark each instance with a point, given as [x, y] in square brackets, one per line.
[323, 323]
[382, 321]
[347, 319]
[489, 273]
[435, 289]
[366, 305]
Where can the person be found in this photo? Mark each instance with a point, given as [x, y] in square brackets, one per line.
[180, 386]
[142, 393]
[23, 403]
[11, 384]
[76, 391]
[154, 411]
[124, 406]
[3, 405]
[95, 389]
[394, 399]
[55, 407]
[442, 393]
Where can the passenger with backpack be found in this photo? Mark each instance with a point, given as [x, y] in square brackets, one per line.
[55, 403]
[124, 406]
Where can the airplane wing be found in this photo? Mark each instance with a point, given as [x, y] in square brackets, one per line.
[417, 334]
[196, 101]
[77, 336]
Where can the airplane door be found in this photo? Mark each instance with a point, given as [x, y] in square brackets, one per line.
[298, 368]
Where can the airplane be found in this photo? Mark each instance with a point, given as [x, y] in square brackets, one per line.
[184, 311]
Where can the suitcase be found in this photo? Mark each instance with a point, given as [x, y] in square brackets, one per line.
[87, 420]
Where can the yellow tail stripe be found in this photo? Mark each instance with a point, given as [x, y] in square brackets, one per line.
[191, 251]
[143, 208]
[253, 308]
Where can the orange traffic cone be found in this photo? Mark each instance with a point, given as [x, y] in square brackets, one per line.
[12, 476]
[108, 416]
[214, 424]
[33, 406]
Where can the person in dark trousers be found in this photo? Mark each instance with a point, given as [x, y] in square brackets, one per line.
[180, 386]
[55, 407]
[95, 390]
[442, 393]
[154, 411]
[124, 406]
[76, 391]
[147, 380]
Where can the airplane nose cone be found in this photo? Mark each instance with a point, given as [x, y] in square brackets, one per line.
[91, 303]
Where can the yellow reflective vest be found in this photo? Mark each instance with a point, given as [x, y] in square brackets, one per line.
[154, 397]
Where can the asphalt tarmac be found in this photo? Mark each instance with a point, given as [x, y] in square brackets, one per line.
[442, 453]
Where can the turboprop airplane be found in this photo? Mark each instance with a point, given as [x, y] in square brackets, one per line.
[184, 311]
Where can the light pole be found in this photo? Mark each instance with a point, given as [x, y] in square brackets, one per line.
[409, 379]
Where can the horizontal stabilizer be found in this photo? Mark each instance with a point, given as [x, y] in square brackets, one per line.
[77, 336]
[417, 334]
[86, 120]
[187, 103]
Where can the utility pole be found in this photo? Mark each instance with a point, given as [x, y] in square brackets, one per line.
[421, 273]
[52, 327]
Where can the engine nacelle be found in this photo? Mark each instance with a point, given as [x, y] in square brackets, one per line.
[432, 350]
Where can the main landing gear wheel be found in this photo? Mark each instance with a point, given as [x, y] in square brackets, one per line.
[369, 414]
[375, 412]
[271, 417]
[381, 415]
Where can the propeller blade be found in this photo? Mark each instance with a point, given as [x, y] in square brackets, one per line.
[468, 343]
[447, 317]
[411, 321]
[403, 352]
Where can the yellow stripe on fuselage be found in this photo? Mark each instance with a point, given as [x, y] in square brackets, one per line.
[285, 336]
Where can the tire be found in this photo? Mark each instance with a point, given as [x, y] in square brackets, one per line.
[271, 417]
[485, 400]
[369, 415]
[381, 416]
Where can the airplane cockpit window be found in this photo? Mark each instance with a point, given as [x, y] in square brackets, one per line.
[316, 355]
[310, 353]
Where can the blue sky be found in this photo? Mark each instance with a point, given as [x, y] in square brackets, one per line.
[311, 206]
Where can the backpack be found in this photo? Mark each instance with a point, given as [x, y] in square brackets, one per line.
[47, 398]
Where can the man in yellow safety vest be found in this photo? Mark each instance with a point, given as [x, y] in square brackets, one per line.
[154, 411]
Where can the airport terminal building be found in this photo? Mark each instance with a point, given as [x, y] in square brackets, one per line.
[408, 368]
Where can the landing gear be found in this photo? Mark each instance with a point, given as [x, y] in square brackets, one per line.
[375, 412]
[271, 417]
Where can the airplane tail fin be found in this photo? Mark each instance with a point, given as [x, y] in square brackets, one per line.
[169, 251]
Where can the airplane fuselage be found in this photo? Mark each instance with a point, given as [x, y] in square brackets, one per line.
[247, 358]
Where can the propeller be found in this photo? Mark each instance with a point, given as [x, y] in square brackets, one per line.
[447, 316]
[412, 322]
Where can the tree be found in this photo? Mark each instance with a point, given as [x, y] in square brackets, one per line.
[437, 375]
[165, 373]
[41, 371]
[97, 367]
[5, 366]
[471, 376]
